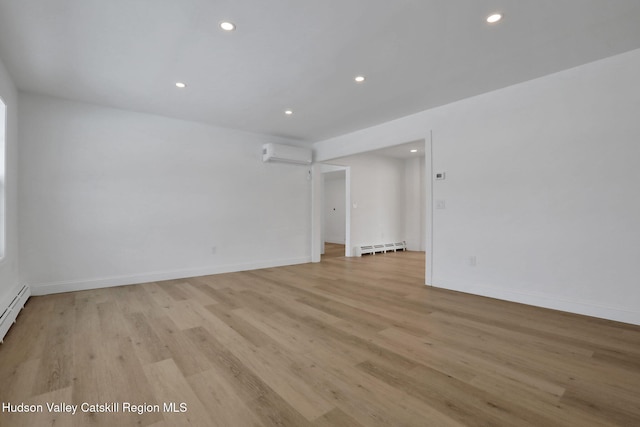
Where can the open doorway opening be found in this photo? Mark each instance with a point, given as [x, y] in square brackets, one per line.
[334, 214]
[390, 200]
[411, 190]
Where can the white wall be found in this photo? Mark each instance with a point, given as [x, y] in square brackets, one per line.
[3, 118]
[376, 198]
[9, 273]
[334, 207]
[392, 192]
[414, 204]
[542, 185]
[110, 197]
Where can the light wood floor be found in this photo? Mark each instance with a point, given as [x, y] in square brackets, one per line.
[332, 250]
[346, 342]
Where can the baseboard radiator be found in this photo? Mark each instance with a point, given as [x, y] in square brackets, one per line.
[10, 312]
[382, 248]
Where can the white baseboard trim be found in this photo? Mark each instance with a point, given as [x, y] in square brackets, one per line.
[548, 301]
[106, 282]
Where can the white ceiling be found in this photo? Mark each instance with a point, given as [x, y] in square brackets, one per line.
[303, 55]
[403, 151]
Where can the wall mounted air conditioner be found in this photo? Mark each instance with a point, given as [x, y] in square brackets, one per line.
[286, 154]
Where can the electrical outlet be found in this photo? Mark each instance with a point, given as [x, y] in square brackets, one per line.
[214, 249]
[472, 260]
[441, 204]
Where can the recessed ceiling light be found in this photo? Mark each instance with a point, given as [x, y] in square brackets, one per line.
[492, 19]
[359, 79]
[414, 151]
[227, 26]
[288, 112]
[181, 85]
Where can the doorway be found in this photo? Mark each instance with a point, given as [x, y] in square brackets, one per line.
[335, 213]
[413, 169]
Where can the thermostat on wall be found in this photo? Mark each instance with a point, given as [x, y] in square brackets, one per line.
[440, 175]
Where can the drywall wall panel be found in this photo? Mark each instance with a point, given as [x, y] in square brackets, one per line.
[377, 198]
[9, 266]
[111, 196]
[540, 191]
[414, 204]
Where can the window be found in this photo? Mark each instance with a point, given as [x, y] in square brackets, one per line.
[3, 123]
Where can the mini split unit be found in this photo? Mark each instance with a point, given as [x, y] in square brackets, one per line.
[286, 154]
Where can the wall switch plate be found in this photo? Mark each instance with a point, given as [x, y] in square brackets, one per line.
[441, 204]
[472, 261]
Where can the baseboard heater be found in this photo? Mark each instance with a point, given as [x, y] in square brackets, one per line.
[382, 248]
[10, 312]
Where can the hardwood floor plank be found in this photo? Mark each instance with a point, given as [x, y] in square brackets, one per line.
[270, 407]
[377, 403]
[241, 326]
[110, 371]
[421, 352]
[20, 379]
[619, 407]
[146, 342]
[112, 323]
[55, 370]
[274, 372]
[169, 386]
[348, 314]
[478, 407]
[346, 342]
[34, 321]
[222, 400]
[44, 418]
[188, 359]
[281, 334]
[176, 289]
[197, 295]
[336, 418]
[332, 250]
[135, 299]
